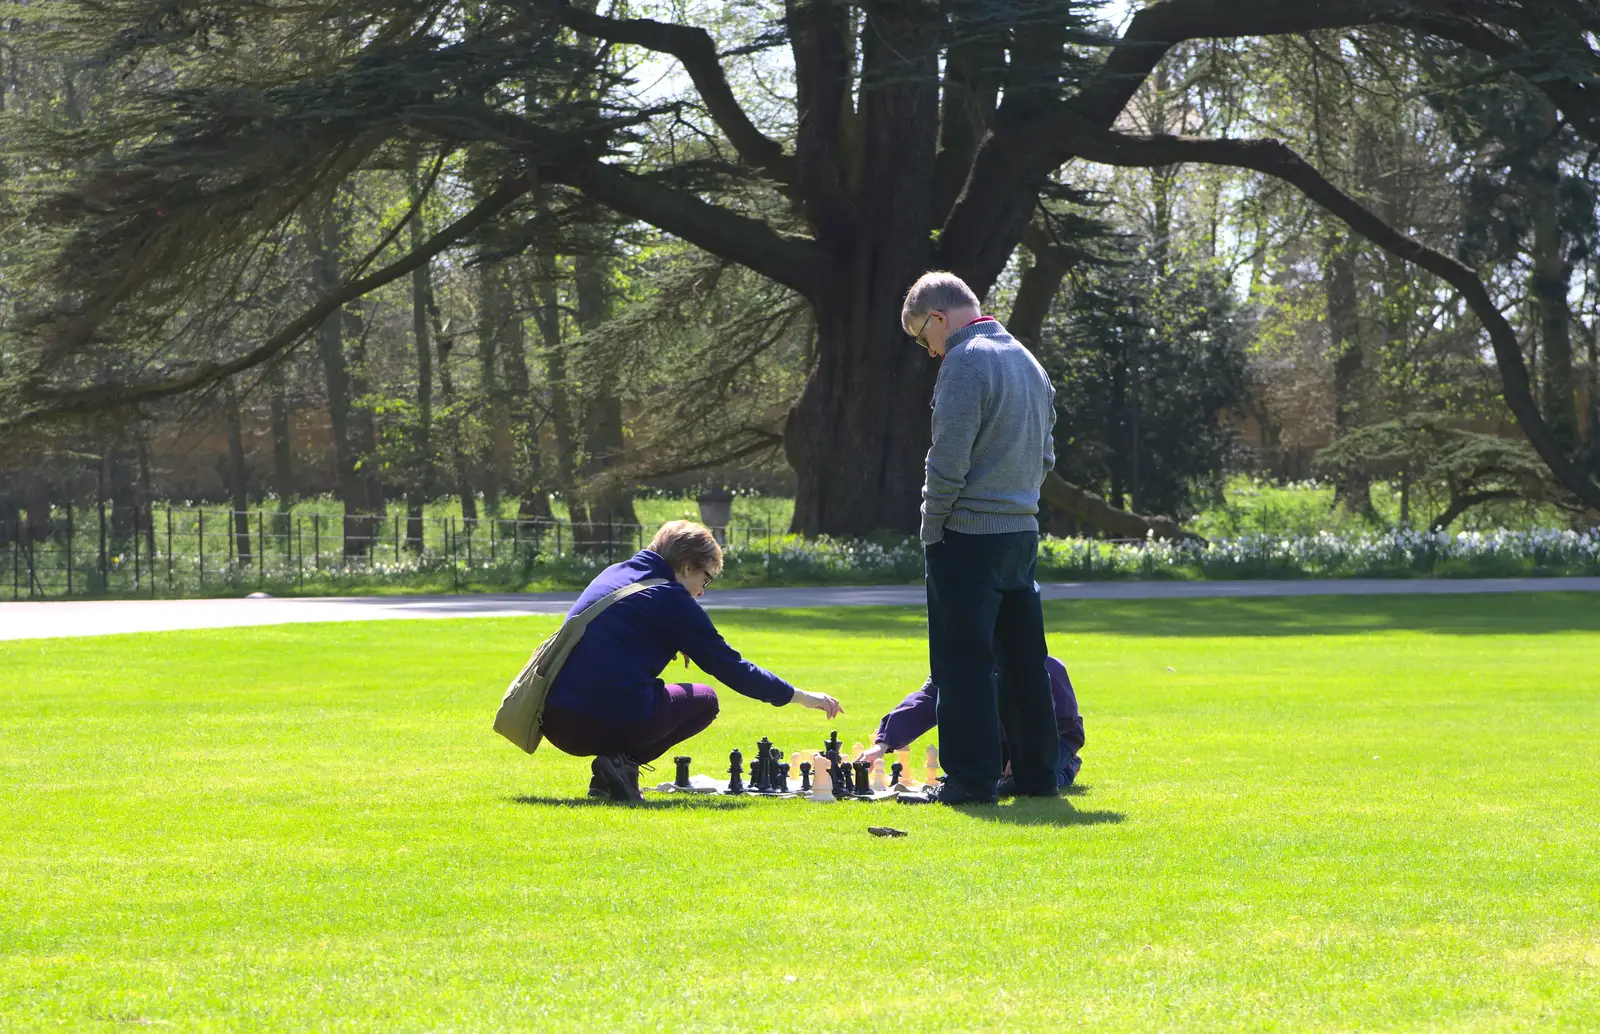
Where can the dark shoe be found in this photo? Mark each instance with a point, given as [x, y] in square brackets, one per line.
[597, 787]
[610, 775]
[1008, 788]
[944, 795]
[630, 775]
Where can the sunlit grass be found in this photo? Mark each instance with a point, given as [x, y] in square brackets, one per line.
[1331, 814]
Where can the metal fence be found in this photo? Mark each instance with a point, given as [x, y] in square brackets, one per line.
[187, 550]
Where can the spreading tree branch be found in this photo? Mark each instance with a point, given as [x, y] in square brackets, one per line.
[1273, 158]
[697, 52]
[49, 404]
[1097, 513]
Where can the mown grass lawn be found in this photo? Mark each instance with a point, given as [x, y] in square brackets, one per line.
[1299, 815]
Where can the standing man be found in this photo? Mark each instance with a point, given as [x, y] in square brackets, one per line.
[993, 408]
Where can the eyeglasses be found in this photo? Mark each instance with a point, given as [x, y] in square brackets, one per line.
[709, 578]
[918, 339]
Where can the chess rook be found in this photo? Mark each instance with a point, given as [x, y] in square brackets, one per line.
[681, 781]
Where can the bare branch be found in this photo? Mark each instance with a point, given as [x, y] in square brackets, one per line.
[697, 52]
[47, 404]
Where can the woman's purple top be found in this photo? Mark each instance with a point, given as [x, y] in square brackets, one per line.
[917, 713]
[615, 670]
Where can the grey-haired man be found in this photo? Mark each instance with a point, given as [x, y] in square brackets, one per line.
[993, 410]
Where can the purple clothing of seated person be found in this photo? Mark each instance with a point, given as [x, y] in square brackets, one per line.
[917, 713]
[609, 697]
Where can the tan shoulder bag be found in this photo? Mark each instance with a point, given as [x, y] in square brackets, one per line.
[523, 707]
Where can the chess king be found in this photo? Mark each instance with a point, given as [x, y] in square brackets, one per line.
[915, 715]
[609, 701]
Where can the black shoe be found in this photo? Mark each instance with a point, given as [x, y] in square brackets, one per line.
[630, 775]
[944, 795]
[1008, 788]
[607, 770]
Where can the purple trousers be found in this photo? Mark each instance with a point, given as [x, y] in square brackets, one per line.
[682, 710]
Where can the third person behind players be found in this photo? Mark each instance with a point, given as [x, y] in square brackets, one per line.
[917, 714]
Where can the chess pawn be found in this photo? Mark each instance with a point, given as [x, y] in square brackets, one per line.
[895, 770]
[682, 779]
[879, 783]
[783, 778]
[805, 777]
[862, 779]
[932, 762]
[822, 785]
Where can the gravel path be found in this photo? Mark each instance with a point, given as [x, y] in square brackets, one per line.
[94, 617]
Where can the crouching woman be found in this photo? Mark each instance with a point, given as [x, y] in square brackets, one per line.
[609, 701]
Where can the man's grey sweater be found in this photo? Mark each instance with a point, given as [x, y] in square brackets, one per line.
[993, 408]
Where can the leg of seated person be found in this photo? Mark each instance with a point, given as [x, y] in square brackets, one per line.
[682, 710]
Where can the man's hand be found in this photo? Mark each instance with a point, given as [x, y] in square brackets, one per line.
[819, 701]
[873, 753]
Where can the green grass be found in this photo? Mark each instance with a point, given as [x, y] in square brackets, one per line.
[1298, 815]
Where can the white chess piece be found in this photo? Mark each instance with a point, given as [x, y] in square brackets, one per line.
[821, 784]
[932, 763]
[880, 781]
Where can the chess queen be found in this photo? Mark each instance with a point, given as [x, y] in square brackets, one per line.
[609, 701]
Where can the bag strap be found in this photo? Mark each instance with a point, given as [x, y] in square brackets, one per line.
[571, 631]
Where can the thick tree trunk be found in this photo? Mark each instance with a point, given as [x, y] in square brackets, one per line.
[1551, 281]
[238, 472]
[523, 413]
[364, 425]
[609, 504]
[1354, 490]
[858, 437]
[494, 316]
[326, 240]
[282, 449]
[420, 489]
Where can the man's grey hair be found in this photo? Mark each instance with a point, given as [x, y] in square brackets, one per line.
[935, 292]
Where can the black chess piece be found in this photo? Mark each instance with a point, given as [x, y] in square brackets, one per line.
[832, 745]
[863, 778]
[895, 770]
[735, 772]
[755, 776]
[682, 779]
[845, 786]
[836, 775]
[783, 777]
[805, 777]
[762, 777]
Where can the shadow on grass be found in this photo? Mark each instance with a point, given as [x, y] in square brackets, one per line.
[1497, 614]
[693, 800]
[1059, 812]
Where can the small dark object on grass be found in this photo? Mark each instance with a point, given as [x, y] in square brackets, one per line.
[682, 779]
[735, 773]
[885, 831]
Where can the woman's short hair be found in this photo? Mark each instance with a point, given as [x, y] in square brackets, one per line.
[935, 292]
[688, 546]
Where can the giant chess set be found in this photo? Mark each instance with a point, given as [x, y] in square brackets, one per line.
[823, 776]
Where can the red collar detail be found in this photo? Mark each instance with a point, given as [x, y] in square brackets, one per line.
[980, 319]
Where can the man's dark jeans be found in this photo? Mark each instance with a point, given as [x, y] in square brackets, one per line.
[984, 617]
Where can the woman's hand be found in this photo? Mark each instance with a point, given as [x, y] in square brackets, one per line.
[819, 701]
